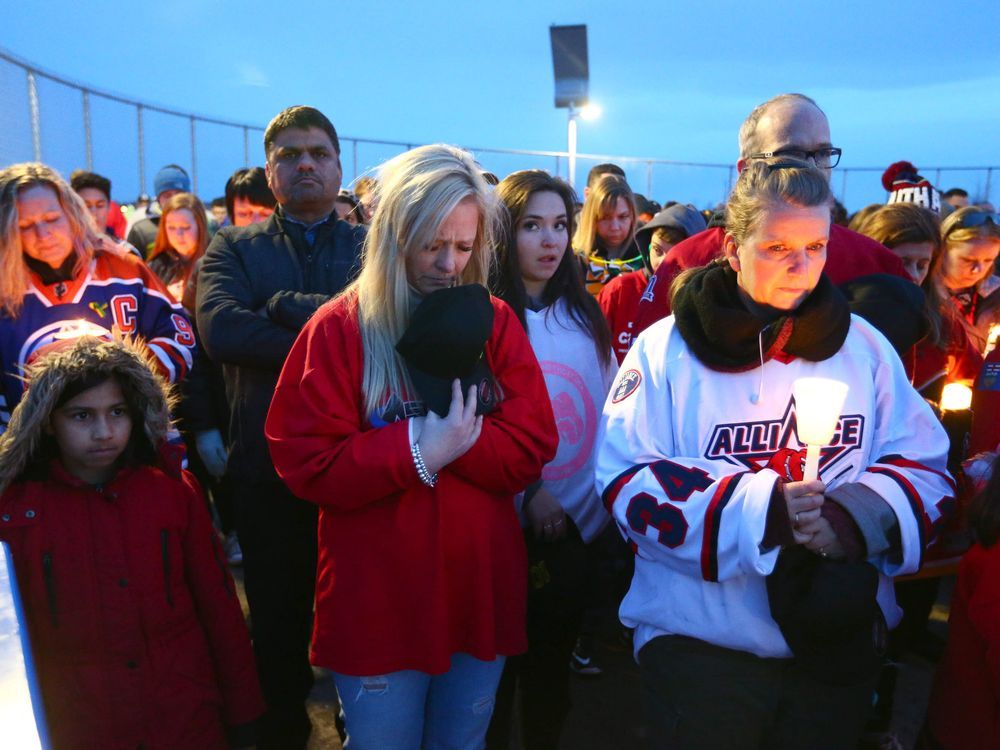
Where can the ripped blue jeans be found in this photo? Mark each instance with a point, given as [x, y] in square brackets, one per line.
[411, 710]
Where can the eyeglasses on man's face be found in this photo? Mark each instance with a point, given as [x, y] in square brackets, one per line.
[824, 158]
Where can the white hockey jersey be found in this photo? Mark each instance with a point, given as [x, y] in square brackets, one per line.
[688, 457]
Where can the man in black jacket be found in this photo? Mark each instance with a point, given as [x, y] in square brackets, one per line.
[257, 288]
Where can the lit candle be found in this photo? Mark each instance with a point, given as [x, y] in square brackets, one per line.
[73, 329]
[956, 397]
[956, 418]
[818, 402]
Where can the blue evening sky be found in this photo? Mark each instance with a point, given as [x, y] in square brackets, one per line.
[918, 80]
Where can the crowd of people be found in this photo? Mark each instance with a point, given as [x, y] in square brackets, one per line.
[445, 420]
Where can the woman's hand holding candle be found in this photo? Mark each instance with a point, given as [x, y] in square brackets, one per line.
[804, 500]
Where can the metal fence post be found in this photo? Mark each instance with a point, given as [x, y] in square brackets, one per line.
[36, 124]
[843, 188]
[649, 180]
[87, 134]
[557, 165]
[194, 158]
[354, 148]
[989, 181]
[246, 147]
[142, 149]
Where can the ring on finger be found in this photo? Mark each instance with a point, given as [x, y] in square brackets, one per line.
[796, 518]
[822, 552]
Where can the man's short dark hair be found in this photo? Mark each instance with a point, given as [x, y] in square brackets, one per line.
[81, 179]
[948, 193]
[602, 169]
[301, 117]
[249, 184]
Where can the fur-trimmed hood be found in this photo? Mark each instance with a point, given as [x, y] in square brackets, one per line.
[48, 376]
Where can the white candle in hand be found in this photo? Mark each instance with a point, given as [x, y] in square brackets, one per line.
[818, 402]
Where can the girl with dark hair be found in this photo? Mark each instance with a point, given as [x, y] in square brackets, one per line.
[248, 197]
[136, 630]
[965, 699]
[540, 279]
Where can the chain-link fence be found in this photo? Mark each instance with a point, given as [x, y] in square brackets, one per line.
[68, 125]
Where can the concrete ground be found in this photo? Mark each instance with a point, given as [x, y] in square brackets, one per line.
[607, 713]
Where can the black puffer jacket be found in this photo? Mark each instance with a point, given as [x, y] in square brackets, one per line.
[257, 287]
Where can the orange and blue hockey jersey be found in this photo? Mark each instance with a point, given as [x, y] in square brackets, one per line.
[114, 292]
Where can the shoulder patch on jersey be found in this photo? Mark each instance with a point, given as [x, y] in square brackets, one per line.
[989, 377]
[627, 385]
[649, 295]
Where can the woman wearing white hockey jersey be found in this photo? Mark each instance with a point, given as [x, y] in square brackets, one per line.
[699, 462]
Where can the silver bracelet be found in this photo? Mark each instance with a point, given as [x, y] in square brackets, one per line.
[418, 461]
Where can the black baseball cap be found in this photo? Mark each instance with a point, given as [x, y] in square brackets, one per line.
[446, 339]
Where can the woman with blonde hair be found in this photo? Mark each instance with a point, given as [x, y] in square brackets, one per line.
[60, 278]
[605, 236]
[759, 595]
[181, 240]
[411, 410]
[965, 271]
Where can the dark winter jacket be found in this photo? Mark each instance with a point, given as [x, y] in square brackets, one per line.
[137, 634]
[142, 235]
[257, 287]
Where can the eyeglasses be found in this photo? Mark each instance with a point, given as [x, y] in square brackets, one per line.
[977, 219]
[824, 158]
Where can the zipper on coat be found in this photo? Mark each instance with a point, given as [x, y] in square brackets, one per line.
[165, 549]
[50, 588]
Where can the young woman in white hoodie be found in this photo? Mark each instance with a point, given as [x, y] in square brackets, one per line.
[541, 280]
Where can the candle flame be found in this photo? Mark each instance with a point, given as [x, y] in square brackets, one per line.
[956, 397]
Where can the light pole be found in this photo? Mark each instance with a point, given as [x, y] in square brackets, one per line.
[573, 114]
[587, 112]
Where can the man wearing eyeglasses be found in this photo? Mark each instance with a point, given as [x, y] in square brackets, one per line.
[790, 125]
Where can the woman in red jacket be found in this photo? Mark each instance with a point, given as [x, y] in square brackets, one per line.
[421, 580]
[135, 626]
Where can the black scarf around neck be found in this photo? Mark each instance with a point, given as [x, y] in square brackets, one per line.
[50, 275]
[723, 334]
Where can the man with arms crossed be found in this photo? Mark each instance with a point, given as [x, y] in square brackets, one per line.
[258, 286]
